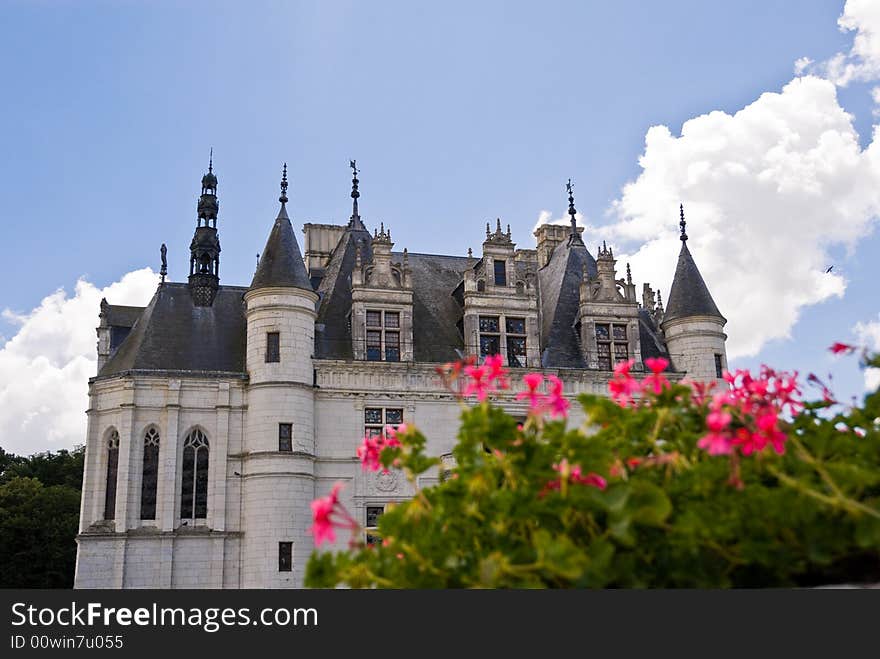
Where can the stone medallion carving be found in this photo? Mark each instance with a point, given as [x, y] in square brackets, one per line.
[386, 481]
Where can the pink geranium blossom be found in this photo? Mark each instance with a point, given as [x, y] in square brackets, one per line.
[838, 348]
[483, 380]
[322, 521]
[622, 386]
[558, 403]
[656, 382]
[536, 399]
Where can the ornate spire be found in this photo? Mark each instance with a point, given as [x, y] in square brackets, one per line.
[163, 251]
[355, 221]
[283, 198]
[574, 235]
[682, 223]
[204, 259]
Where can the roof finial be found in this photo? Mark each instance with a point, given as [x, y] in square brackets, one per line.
[682, 224]
[211, 161]
[163, 251]
[283, 197]
[571, 210]
[355, 215]
[629, 276]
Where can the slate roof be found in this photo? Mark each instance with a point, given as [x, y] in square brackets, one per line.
[172, 334]
[559, 283]
[689, 295]
[175, 335]
[281, 262]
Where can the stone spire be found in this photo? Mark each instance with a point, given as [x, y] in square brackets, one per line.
[682, 223]
[204, 261]
[281, 261]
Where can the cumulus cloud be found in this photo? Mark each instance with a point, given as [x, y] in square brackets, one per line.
[45, 367]
[868, 334]
[767, 192]
[862, 62]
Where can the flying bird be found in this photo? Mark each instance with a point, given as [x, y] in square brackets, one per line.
[830, 268]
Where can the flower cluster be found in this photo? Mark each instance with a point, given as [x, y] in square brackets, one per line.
[747, 416]
[624, 387]
[539, 403]
[328, 514]
[489, 377]
[370, 450]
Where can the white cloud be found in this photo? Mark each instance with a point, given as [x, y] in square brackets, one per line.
[45, 367]
[767, 191]
[801, 65]
[868, 334]
[862, 62]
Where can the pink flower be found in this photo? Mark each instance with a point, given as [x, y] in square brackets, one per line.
[558, 403]
[368, 453]
[839, 347]
[573, 474]
[656, 364]
[497, 372]
[487, 378]
[536, 399]
[622, 386]
[718, 421]
[716, 444]
[322, 508]
[477, 385]
[391, 433]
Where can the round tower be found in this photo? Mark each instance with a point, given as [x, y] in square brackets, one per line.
[278, 452]
[692, 325]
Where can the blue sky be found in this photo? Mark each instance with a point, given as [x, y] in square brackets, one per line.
[457, 112]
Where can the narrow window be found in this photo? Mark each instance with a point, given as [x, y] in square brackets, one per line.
[372, 521]
[392, 346]
[490, 336]
[719, 366]
[481, 286]
[194, 490]
[149, 481]
[285, 437]
[112, 462]
[516, 342]
[285, 556]
[273, 347]
[500, 272]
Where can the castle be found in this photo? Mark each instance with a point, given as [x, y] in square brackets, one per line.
[220, 412]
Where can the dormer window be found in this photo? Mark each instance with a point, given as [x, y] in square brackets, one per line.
[490, 335]
[611, 344]
[383, 336]
[500, 272]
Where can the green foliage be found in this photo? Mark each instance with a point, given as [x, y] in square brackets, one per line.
[671, 516]
[39, 515]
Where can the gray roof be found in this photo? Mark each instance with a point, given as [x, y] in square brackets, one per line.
[435, 311]
[172, 334]
[122, 316]
[649, 338]
[689, 295]
[559, 283]
[281, 262]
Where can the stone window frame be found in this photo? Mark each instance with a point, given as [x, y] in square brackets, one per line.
[273, 352]
[282, 427]
[370, 508]
[614, 345]
[375, 428]
[285, 556]
[524, 336]
[499, 272]
[152, 443]
[502, 336]
[200, 435]
[383, 329]
[111, 472]
[719, 365]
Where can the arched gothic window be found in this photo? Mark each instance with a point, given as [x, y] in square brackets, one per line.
[112, 464]
[150, 474]
[194, 491]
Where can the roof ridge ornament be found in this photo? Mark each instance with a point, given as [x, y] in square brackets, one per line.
[574, 234]
[682, 224]
[283, 198]
[355, 220]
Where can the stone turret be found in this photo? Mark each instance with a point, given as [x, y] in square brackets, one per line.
[692, 325]
[279, 446]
